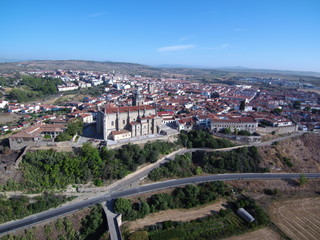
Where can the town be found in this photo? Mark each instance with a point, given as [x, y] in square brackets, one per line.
[85, 134]
[159, 120]
[133, 107]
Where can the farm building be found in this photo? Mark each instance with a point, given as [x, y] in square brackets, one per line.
[245, 215]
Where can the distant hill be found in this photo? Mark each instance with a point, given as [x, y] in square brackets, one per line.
[133, 68]
[239, 69]
[47, 65]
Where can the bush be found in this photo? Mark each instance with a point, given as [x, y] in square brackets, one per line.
[287, 162]
[269, 191]
[21, 206]
[94, 224]
[186, 165]
[63, 137]
[199, 139]
[139, 235]
[186, 197]
[244, 133]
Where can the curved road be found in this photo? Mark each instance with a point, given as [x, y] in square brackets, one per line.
[37, 218]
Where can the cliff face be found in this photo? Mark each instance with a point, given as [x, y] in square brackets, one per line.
[300, 154]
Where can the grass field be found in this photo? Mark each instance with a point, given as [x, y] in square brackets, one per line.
[298, 219]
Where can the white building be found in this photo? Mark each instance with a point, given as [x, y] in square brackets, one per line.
[3, 103]
[62, 88]
[241, 123]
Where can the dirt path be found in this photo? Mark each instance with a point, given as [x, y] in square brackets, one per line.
[261, 234]
[176, 215]
[299, 219]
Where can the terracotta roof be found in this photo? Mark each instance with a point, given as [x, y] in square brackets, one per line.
[123, 131]
[35, 130]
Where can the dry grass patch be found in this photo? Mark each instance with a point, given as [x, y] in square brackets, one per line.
[9, 118]
[261, 234]
[302, 152]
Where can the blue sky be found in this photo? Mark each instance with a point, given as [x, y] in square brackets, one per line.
[270, 34]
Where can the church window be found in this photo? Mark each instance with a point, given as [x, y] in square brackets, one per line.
[112, 123]
[124, 121]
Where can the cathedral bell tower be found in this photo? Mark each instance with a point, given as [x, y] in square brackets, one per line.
[138, 99]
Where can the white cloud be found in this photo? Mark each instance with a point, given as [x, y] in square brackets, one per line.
[240, 29]
[222, 46]
[98, 14]
[225, 45]
[175, 48]
[184, 38]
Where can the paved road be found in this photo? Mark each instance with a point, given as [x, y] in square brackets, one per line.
[35, 219]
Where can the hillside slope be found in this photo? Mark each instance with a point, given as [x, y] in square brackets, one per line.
[303, 153]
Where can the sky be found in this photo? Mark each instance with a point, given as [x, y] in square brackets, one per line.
[264, 34]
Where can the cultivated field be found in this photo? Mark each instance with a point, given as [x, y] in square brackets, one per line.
[261, 234]
[298, 219]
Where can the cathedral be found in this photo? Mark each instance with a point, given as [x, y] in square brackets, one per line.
[126, 122]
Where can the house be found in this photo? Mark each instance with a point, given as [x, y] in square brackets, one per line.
[185, 124]
[86, 118]
[35, 134]
[121, 134]
[167, 116]
[3, 103]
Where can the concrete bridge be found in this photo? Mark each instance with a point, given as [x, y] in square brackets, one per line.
[113, 219]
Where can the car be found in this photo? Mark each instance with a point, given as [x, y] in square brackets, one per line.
[162, 132]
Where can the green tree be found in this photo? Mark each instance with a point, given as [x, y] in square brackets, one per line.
[59, 224]
[63, 137]
[91, 224]
[296, 104]
[244, 133]
[122, 205]
[198, 171]
[277, 110]
[47, 229]
[75, 127]
[302, 179]
[308, 109]
[144, 208]
[226, 131]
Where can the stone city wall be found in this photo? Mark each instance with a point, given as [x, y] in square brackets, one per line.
[277, 130]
